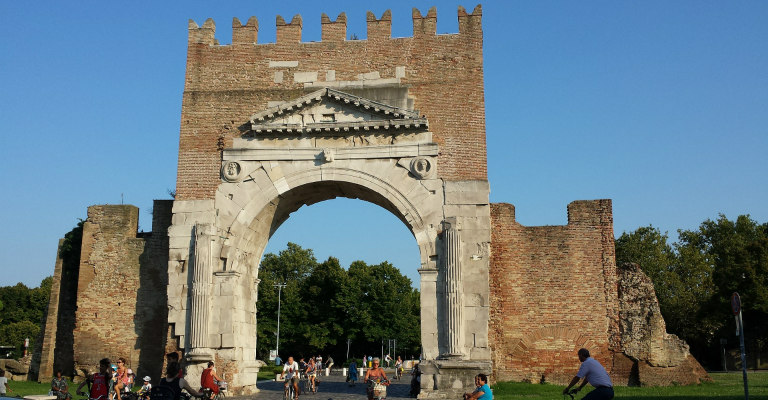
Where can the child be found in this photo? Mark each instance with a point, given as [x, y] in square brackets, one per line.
[145, 388]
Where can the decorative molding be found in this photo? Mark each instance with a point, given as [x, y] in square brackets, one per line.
[380, 116]
[339, 153]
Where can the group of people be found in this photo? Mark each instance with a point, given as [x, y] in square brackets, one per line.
[590, 372]
[111, 381]
[293, 371]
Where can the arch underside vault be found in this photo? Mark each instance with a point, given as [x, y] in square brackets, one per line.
[318, 147]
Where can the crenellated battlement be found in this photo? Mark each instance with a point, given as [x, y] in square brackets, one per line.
[335, 31]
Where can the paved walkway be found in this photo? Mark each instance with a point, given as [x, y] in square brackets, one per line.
[331, 387]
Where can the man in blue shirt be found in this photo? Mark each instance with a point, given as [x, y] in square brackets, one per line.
[593, 373]
[483, 391]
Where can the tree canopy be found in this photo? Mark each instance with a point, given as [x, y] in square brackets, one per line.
[695, 277]
[323, 305]
[22, 313]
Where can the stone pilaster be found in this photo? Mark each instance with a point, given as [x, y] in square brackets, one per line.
[201, 282]
[453, 290]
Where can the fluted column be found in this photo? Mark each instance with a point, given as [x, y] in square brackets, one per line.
[201, 282]
[453, 289]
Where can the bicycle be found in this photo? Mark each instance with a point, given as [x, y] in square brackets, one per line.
[208, 393]
[378, 389]
[290, 391]
[398, 372]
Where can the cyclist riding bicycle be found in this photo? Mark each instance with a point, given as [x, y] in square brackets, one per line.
[98, 382]
[291, 374]
[209, 378]
[375, 376]
[594, 373]
[312, 375]
[171, 385]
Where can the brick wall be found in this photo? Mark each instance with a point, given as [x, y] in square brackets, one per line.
[121, 297]
[50, 325]
[225, 85]
[553, 291]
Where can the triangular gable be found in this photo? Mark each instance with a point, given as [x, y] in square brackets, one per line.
[329, 110]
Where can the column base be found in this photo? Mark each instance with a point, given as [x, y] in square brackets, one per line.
[449, 379]
[199, 355]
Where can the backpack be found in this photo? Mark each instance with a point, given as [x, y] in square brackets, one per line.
[161, 392]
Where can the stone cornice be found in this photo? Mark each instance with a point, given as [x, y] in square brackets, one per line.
[340, 153]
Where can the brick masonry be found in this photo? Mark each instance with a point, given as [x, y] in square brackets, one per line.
[227, 84]
[119, 286]
[553, 289]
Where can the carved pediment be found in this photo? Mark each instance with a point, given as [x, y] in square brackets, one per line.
[329, 111]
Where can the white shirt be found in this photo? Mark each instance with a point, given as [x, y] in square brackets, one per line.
[3, 381]
[594, 373]
[290, 369]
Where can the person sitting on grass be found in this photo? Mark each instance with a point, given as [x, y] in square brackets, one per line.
[59, 387]
[482, 392]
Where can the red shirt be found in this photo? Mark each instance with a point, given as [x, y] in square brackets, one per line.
[206, 380]
[99, 386]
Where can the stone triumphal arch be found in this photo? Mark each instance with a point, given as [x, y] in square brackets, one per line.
[321, 145]
[398, 122]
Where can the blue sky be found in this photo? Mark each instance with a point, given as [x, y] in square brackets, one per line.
[661, 106]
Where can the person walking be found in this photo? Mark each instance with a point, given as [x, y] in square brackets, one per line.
[4, 388]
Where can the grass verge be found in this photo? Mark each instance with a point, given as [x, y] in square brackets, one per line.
[726, 386]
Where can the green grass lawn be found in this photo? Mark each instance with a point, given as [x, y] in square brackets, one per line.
[725, 387]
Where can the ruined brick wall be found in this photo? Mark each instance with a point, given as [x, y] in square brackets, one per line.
[650, 356]
[50, 326]
[107, 286]
[553, 291]
[151, 319]
[56, 350]
[121, 297]
[225, 85]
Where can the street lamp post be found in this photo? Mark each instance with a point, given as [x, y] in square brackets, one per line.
[279, 287]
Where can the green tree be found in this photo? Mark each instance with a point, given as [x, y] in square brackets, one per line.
[649, 248]
[23, 311]
[737, 254]
[694, 279]
[325, 311]
[388, 307]
[291, 267]
[323, 305]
